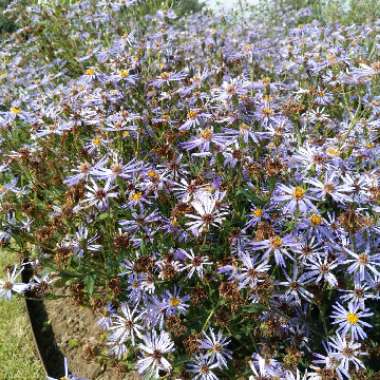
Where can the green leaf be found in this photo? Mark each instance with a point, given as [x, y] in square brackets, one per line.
[103, 216]
[89, 283]
[254, 308]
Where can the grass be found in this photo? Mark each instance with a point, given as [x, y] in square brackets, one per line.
[18, 360]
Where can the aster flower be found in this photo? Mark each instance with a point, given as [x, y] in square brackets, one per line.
[215, 345]
[153, 350]
[201, 368]
[99, 196]
[327, 365]
[356, 296]
[350, 320]
[296, 376]
[173, 303]
[308, 248]
[94, 144]
[174, 168]
[278, 246]
[205, 138]
[124, 76]
[365, 71]
[116, 347]
[8, 187]
[263, 366]
[185, 190]
[317, 226]
[346, 352]
[209, 213]
[247, 133]
[255, 216]
[318, 270]
[127, 325]
[322, 97]
[195, 118]
[296, 286]
[233, 87]
[82, 174]
[105, 321]
[361, 264]
[136, 198]
[140, 221]
[374, 284]
[296, 198]
[9, 285]
[309, 157]
[194, 264]
[329, 187]
[356, 187]
[116, 170]
[82, 243]
[168, 77]
[252, 270]
[266, 114]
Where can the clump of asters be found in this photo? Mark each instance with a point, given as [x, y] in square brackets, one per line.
[210, 187]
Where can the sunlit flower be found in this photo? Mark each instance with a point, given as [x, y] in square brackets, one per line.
[154, 348]
[350, 320]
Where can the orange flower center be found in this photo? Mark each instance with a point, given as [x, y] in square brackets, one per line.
[315, 219]
[298, 192]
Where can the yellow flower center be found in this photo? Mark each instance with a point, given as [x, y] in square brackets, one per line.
[96, 141]
[315, 219]
[331, 151]
[206, 134]
[152, 174]
[90, 71]
[165, 75]
[267, 98]
[267, 111]
[136, 196]
[192, 114]
[124, 73]
[298, 192]
[352, 318]
[174, 301]
[126, 134]
[266, 81]
[258, 212]
[276, 242]
[15, 110]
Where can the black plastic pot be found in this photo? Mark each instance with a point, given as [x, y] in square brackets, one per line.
[51, 358]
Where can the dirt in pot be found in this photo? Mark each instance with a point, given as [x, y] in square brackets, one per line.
[82, 341]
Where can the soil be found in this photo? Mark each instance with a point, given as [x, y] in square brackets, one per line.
[83, 343]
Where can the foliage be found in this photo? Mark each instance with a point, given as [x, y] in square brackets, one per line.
[6, 24]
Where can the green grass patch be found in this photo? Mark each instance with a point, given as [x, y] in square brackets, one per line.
[18, 361]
